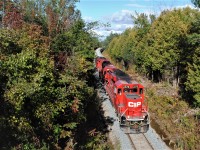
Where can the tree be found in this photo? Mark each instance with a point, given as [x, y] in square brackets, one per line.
[142, 23]
[196, 3]
[164, 40]
[41, 107]
[60, 15]
[12, 17]
[193, 62]
[109, 39]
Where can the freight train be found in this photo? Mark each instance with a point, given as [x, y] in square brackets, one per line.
[126, 96]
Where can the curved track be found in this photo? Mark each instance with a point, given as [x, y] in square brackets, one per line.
[141, 141]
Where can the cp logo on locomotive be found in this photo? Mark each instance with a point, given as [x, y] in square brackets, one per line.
[132, 104]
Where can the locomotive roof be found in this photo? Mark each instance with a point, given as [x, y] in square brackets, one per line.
[110, 66]
[122, 75]
[124, 82]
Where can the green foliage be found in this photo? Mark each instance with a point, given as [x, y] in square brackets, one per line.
[42, 106]
[196, 3]
[128, 43]
[193, 64]
[164, 37]
[46, 65]
[95, 139]
[173, 117]
[9, 42]
[125, 47]
[142, 24]
[108, 39]
[193, 82]
[63, 42]
[76, 40]
[164, 48]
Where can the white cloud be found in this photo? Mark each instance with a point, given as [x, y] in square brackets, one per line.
[119, 22]
[120, 27]
[104, 33]
[115, 28]
[122, 17]
[191, 6]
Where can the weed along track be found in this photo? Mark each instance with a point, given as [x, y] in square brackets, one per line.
[139, 135]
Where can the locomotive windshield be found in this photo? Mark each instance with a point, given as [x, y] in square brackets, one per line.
[132, 96]
[131, 90]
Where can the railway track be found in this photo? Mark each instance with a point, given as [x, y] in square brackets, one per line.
[139, 142]
[135, 140]
[127, 141]
[119, 139]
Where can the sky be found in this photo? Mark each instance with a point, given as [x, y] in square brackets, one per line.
[118, 12]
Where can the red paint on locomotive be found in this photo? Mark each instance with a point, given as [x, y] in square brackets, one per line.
[126, 95]
[101, 62]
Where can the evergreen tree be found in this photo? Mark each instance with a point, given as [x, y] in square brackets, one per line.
[196, 3]
[193, 64]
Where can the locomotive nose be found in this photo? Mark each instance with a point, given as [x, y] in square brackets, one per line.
[134, 106]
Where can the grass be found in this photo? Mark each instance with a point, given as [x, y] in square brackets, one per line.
[181, 129]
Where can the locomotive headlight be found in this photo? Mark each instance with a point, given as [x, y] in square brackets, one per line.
[128, 116]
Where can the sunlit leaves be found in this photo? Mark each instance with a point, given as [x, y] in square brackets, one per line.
[9, 42]
[166, 33]
[164, 48]
[42, 104]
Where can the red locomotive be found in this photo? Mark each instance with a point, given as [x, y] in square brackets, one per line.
[126, 95]
[101, 62]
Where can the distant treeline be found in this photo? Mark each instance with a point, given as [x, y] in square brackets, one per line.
[164, 48]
